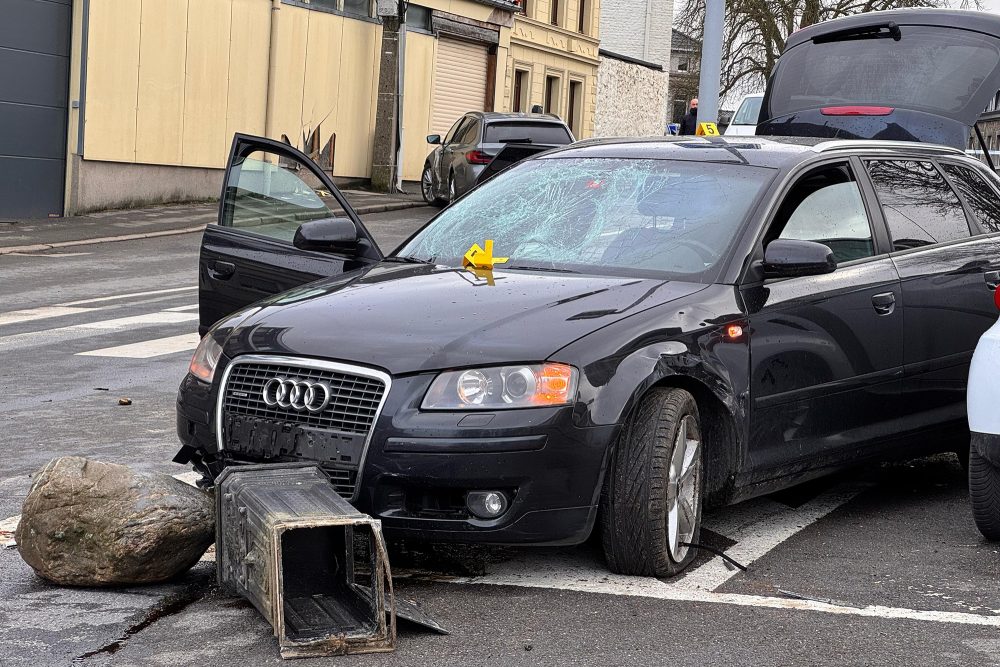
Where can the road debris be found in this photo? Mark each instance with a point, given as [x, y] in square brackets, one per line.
[288, 543]
[124, 401]
[88, 523]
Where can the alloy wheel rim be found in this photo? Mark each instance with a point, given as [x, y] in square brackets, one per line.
[425, 184]
[683, 488]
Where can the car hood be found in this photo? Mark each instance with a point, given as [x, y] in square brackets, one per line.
[412, 318]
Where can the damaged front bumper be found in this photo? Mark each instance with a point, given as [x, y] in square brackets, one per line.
[421, 466]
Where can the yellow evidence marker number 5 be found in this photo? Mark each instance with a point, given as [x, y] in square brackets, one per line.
[707, 130]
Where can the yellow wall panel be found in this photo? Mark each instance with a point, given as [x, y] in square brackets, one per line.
[206, 83]
[162, 48]
[322, 75]
[246, 105]
[293, 32]
[419, 67]
[356, 105]
[112, 80]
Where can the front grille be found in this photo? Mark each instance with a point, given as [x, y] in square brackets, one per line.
[353, 404]
[353, 407]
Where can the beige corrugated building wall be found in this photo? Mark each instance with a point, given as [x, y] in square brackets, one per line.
[160, 86]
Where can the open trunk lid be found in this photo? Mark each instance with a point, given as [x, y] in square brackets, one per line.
[910, 75]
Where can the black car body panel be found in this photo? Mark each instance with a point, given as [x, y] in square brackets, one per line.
[932, 71]
[794, 377]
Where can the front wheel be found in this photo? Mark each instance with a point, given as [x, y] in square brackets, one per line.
[984, 490]
[427, 188]
[651, 506]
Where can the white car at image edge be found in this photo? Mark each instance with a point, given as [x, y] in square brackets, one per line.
[984, 425]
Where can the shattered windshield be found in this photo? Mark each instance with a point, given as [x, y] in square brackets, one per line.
[600, 215]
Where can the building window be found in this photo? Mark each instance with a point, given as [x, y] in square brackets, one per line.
[554, 12]
[526, 7]
[552, 95]
[582, 18]
[521, 88]
[683, 63]
[418, 18]
[358, 7]
[574, 115]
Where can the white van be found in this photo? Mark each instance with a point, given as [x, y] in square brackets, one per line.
[744, 121]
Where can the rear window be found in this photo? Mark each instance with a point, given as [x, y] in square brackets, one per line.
[530, 133]
[931, 69]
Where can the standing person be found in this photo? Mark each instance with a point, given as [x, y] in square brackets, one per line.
[689, 123]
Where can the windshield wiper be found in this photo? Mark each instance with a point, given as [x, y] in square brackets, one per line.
[526, 140]
[407, 259]
[551, 269]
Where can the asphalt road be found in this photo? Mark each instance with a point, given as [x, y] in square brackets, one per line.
[877, 566]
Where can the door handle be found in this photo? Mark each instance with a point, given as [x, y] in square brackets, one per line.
[992, 279]
[884, 303]
[222, 270]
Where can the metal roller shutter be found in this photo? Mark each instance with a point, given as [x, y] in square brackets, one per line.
[459, 82]
[34, 90]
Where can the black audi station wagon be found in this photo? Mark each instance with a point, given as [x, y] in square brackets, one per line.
[667, 323]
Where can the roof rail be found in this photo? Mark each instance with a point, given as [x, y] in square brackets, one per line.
[843, 144]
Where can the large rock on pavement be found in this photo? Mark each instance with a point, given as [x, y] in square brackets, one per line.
[87, 523]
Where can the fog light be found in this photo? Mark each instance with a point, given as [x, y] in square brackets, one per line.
[486, 504]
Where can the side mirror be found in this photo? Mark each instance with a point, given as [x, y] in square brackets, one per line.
[328, 234]
[788, 258]
[433, 138]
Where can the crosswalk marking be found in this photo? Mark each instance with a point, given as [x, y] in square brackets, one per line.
[130, 295]
[120, 323]
[148, 348]
[181, 309]
[32, 314]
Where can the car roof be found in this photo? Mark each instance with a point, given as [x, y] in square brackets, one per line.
[946, 18]
[494, 116]
[773, 152]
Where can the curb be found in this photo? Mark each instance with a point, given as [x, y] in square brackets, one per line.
[41, 247]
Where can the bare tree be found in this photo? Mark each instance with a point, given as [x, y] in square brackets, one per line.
[756, 30]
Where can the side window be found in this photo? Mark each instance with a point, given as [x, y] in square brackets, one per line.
[980, 195]
[272, 196]
[826, 206]
[469, 134]
[920, 208]
[456, 129]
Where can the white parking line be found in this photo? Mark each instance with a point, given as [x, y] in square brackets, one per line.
[148, 348]
[181, 309]
[43, 313]
[129, 295]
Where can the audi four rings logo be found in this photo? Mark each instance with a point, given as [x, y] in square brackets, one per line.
[296, 394]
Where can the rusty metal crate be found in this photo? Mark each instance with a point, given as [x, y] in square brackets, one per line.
[286, 541]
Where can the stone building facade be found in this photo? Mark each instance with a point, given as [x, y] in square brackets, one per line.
[631, 98]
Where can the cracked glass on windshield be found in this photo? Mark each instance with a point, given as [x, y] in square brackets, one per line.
[600, 215]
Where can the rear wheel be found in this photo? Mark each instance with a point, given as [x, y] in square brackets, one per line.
[651, 506]
[427, 187]
[984, 490]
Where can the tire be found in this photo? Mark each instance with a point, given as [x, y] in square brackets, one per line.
[984, 490]
[427, 187]
[643, 525]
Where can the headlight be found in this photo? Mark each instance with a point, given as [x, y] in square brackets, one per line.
[502, 387]
[205, 358]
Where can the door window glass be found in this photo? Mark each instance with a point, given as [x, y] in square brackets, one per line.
[470, 133]
[920, 208]
[826, 206]
[271, 195]
[981, 197]
[455, 129]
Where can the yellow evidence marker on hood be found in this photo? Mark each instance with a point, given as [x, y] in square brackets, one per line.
[707, 130]
[479, 258]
